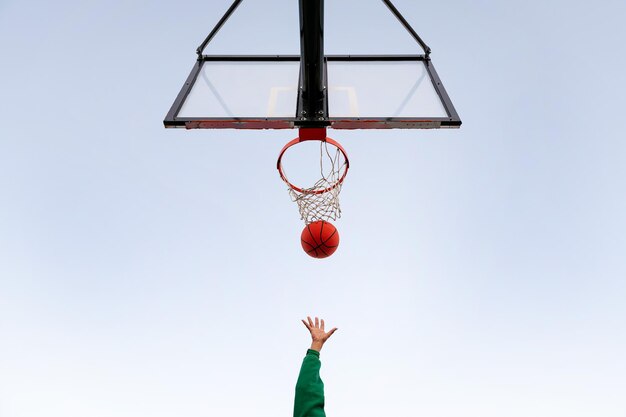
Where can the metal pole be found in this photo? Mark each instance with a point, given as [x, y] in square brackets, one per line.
[407, 26]
[217, 27]
[312, 59]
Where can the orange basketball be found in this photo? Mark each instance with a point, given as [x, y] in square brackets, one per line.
[320, 239]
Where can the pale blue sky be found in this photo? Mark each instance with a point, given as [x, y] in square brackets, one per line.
[153, 272]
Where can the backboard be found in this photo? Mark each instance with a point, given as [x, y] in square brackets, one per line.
[355, 91]
[364, 92]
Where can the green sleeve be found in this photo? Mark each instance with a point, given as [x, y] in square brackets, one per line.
[309, 400]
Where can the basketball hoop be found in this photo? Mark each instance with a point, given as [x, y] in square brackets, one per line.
[321, 200]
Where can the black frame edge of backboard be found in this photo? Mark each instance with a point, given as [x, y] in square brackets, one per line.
[452, 121]
[170, 119]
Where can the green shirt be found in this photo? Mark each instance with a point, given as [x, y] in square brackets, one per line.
[309, 400]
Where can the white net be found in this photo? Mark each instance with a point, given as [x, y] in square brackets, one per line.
[321, 201]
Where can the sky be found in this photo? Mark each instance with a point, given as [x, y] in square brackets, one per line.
[158, 272]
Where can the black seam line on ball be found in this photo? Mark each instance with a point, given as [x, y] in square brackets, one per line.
[322, 230]
[304, 241]
[329, 237]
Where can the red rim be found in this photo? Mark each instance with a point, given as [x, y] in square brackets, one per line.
[295, 142]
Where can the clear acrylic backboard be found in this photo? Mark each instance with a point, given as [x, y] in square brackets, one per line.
[364, 92]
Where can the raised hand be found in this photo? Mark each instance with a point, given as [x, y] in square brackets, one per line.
[318, 335]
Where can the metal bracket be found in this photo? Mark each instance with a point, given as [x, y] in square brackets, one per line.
[408, 27]
[217, 27]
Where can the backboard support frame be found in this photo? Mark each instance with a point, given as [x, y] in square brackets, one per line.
[311, 102]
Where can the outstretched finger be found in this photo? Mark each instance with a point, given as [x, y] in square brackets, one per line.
[306, 325]
[317, 322]
[330, 333]
[310, 321]
[322, 327]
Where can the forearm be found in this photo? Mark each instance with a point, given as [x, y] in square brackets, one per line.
[309, 401]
